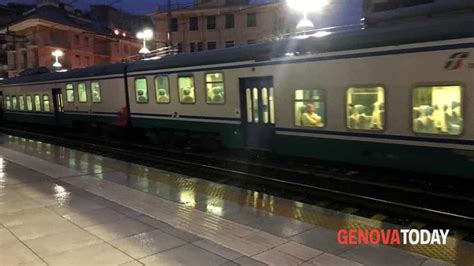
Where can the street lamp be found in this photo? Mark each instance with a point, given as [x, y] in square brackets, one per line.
[57, 54]
[306, 6]
[145, 36]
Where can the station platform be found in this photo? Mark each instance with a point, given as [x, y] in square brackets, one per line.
[60, 206]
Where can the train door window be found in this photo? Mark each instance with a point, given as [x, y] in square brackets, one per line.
[95, 92]
[255, 105]
[162, 89]
[21, 102]
[438, 110]
[365, 108]
[265, 108]
[14, 103]
[186, 90]
[8, 103]
[29, 103]
[215, 93]
[70, 93]
[248, 96]
[272, 106]
[141, 90]
[82, 92]
[37, 103]
[46, 105]
[310, 108]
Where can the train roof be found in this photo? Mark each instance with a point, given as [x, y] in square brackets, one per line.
[455, 27]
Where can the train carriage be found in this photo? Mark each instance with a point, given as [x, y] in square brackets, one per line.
[383, 97]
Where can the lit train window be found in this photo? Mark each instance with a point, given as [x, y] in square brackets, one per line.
[141, 90]
[309, 108]
[255, 105]
[96, 93]
[186, 89]
[265, 105]
[162, 89]
[37, 103]
[69, 93]
[46, 106]
[29, 103]
[438, 110]
[365, 108]
[82, 92]
[215, 93]
[14, 103]
[8, 103]
[248, 95]
[272, 106]
[21, 101]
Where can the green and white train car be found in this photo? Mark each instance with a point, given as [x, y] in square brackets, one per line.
[384, 97]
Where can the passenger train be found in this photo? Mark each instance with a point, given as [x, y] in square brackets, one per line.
[398, 96]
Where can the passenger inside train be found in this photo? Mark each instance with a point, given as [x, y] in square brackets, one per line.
[163, 96]
[310, 118]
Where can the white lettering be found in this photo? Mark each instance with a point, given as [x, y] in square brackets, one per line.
[444, 236]
[425, 236]
[414, 237]
[404, 235]
[435, 239]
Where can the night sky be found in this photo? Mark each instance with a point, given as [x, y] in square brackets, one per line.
[340, 12]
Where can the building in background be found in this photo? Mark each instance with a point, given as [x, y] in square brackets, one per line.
[52, 25]
[212, 24]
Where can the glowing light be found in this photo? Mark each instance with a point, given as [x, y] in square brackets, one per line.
[145, 35]
[117, 32]
[321, 34]
[57, 54]
[307, 5]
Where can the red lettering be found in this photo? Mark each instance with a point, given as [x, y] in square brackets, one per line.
[385, 236]
[353, 237]
[374, 236]
[363, 237]
[342, 237]
[395, 238]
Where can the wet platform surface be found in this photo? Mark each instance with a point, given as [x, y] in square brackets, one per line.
[60, 206]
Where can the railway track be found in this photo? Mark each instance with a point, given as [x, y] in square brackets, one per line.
[401, 199]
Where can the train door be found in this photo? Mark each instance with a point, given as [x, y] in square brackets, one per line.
[58, 103]
[258, 112]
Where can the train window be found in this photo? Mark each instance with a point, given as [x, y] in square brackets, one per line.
[248, 95]
[69, 93]
[37, 103]
[162, 89]
[186, 89]
[309, 108]
[365, 108]
[215, 93]
[437, 110]
[14, 103]
[141, 90]
[8, 103]
[21, 101]
[265, 106]
[255, 105]
[46, 106]
[96, 93]
[29, 103]
[272, 106]
[82, 92]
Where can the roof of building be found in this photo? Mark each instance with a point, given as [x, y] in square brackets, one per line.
[423, 31]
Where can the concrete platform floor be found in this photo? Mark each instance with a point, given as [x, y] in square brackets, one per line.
[62, 207]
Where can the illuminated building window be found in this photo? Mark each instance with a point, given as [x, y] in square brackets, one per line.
[141, 90]
[162, 90]
[82, 92]
[309, 108]
[215, 93]
[365, 108]
[437, 110]
[186, 89]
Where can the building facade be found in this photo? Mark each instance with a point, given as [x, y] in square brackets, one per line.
[51, 26]
[212, 24]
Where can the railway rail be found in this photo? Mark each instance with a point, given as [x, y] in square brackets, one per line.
[401, 197]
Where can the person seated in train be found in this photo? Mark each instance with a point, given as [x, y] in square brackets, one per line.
[439, 118]
[358, 119]
[187, 98]
[310, 118]
[163, 96]
[424, 123]
[454, 119]
[141, 96]
[377, 116]
[218, 95]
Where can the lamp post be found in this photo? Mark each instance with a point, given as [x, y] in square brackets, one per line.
[145, 36]
[57, 54]
[306, 6]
